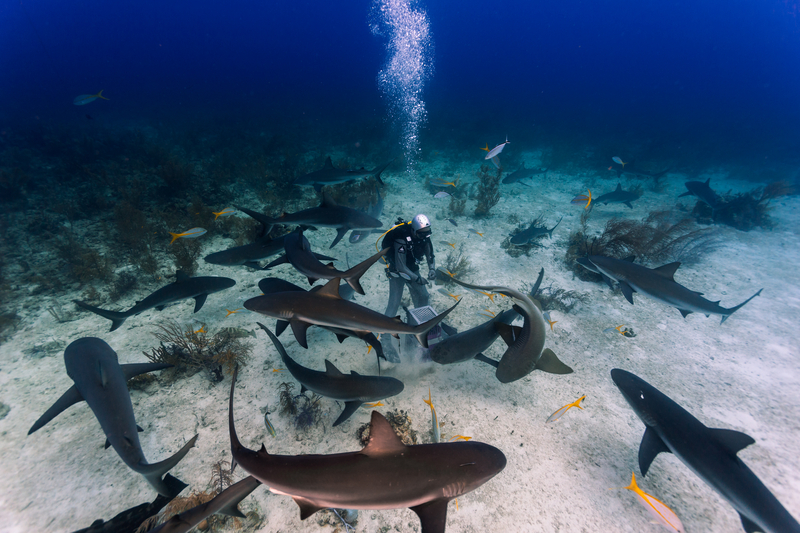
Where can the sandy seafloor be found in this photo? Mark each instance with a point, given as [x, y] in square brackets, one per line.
[742, 375]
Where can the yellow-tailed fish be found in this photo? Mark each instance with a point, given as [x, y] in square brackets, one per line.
[459, 437]
[277, 370]
[201, 330]
[663, 515]
[452, 275]
[270, 427]
[376, 404]
[228, 211]
[489, 295]
[546, 315]
[558, 414]
[233, 312]
[486, 149]
[476, 232]
[492, 313]
[453, 296]
[583, 198]
[88, 98]
[188, 234]
[618, 161]
[619, 329]
[448, 244]
[494, 152]
[439, 182]
[434, 421]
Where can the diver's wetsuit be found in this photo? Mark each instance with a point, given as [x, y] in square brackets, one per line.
[405, 251]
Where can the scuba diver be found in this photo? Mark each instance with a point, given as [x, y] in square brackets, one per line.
[408, 243]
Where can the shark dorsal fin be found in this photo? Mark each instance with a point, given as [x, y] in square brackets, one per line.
[382, 438]
[330, 289]
[619, 187]
[668, 270]
[331, 370]
[328, 164]
[732, 440]
[327, 200]
[708, 182]
[180, 275]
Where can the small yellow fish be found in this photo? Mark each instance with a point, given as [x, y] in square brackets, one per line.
[448, 244]
[188, 234]
[88, 98]
[459, 437]
[476, 232]
[555, 416]
[439, 182]
[622, 330]
[434, 421]
[201, 330]
[664, 516]
[277, 370]
[546, 316]
[492, 313]
[233, 312]
[486, 149]
[447, 272]
[618, 161]
[490, 295]
[269, 426]
[583, 198]
[224, 213]
[376, 404]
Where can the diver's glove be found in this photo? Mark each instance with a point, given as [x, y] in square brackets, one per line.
[432, 274]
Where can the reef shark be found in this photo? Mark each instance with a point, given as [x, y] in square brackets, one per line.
[329, 214]
[618, 196]
[525, 352]
[182, 289]
[325, 307]
[702, 191]
[101, 381]
[710, 453]
[533, 231]
[469, 344]
[523, 173]
[248, 255]
[385, 474]
[299, 255]
[272, 285]
[330, 175]
[353, 389]
[225, 503]
[657, 283]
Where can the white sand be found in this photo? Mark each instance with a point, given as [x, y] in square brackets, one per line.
[742, 375]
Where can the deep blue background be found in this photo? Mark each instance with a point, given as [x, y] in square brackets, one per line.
[726, 70]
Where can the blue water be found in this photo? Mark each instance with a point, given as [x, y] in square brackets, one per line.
[719, 73]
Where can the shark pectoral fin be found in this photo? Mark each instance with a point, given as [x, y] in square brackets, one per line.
[299, 329]
[254, 265]
[349, 409]
[668, 271]
[508, 332]
[748, 525]
[131, 370]
[247, 485]
[488, 361]
[609, 281]
[68, 399]
[650, 447]
[280, 327]
[432, 516]
[199, 300]
[382, 438]
[331, 370]
[139, 429]
[628, 204]
[282, 260]
[687, 193]
[340, 233]
[627, 291]
[732, 440]
[307, 507]
[549, 362]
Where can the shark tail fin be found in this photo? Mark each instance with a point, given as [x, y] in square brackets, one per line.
[421, 331]
[154, 473]
[734, 309]
[353, 275]
[115, 317]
